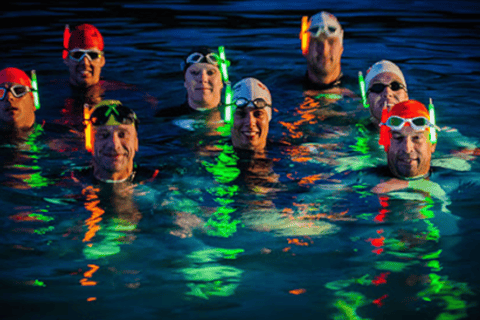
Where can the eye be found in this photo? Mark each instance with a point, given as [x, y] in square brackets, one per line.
[102, 135]
[121, 134]
[240, 113]
[194, 72]
[211, 72]
[259, 114]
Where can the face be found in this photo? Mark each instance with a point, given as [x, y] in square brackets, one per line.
[387, 96]
[18, 113]
[113, 151]
[203, 82]
[324, 55]
[410, 153]
[250, 128]
[86, 72]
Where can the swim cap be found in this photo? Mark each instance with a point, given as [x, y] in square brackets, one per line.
[251, 89]
[85, 36]
[15, 75]
[327, 24]
[383, 66]
[202, 57]
[407, 110]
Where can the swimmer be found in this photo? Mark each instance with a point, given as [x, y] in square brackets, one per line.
[84, 56]
[17, 107]
[405, 135]
[385, 85]
[253, 112]
[324, 52]
[203, 82]
[115, 141]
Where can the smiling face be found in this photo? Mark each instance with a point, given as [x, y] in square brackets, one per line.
[250, 128]
[410, 153]
[387, 96]
[113, 151]
[324, 56]
[203, 82]
[86, 72]
[16, 113]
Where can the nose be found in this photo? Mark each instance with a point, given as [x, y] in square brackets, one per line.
[114, 142]
[408, 145]
[204, 76]
[387, 92]
[10, 96]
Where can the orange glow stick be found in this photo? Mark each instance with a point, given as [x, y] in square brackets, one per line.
[304, 35]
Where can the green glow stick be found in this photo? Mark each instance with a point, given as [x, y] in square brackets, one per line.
[228, 90]
[431, 112]
[361, 82]
[36, 99]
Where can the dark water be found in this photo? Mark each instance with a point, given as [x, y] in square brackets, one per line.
[301, 245]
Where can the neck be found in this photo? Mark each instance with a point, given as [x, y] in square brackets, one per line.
[323, 78]
[112, 177]
[201, 105]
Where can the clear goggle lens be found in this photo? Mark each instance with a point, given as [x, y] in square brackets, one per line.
[258, 103]
[418, 123]
[78, 54]
[197, 57]
[17, 91]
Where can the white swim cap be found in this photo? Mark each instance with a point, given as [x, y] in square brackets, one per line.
[383, 66]
[327, 24]
[251, 89]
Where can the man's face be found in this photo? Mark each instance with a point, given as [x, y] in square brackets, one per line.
[86, 72]
[113, 151]
[410, 152]
[250, 128]
[324, 54]
[389, 97]
[16, 112]
[203, 82]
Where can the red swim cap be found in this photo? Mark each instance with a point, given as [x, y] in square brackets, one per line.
[15, 75]
[85, 36]
[408, 110]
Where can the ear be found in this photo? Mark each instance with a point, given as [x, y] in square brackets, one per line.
[136, 142]
[433, 147]
[102, 61]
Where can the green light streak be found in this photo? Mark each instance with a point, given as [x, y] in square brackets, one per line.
[41, 217]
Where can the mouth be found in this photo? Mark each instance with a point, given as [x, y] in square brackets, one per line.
[250, 135]
[85, 73]
[203, 89]
[407, 161]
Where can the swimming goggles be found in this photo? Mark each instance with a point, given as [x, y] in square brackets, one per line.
[122, 114]
[198, 57]
[78, 54]
[258, 103]
[17, 90]
[419, 123]
[329, 31]
[379, 87]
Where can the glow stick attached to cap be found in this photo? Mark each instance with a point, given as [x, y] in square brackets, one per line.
[363, 93]
[66, 39]
[304, 35]
[228, 90]
[87, 112]
[36, 99]
[431, 113]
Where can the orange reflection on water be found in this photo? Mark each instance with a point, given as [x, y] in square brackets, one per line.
[92, 206]
[297, 291]
[89, 274]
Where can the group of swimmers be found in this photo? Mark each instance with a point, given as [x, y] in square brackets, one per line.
[407, 128]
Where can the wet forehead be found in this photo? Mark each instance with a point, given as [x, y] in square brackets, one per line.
[116, 128]
[202, 66]
[407, 130]
[385, 78]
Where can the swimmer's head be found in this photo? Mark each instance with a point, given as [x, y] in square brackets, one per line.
[325, 48]
[253, 111]
[405, 135]
[203, 79]
[17, 107]
[85, 57]
[385, 86]
[115, 140]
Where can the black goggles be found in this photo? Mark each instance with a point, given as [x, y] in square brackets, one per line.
[379, 87]
[122, 114]
[258, 103]
[17, 90]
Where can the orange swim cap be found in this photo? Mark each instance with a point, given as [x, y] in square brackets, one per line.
[15, 75]
[85, 36]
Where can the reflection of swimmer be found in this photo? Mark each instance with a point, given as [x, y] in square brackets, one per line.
[17, 108]
[203, 82]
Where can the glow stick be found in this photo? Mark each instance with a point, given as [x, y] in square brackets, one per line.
[228, 89]
[363, 93]
[66, 39]
[304, 36]
[36, 99]
[431, 112]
